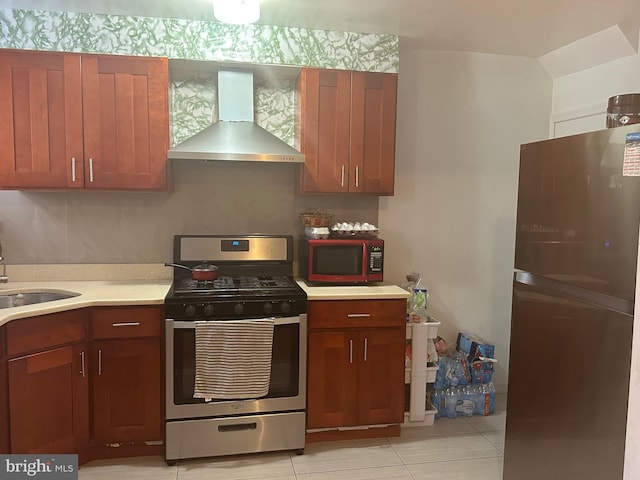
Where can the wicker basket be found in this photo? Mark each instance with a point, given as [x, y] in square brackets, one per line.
[316, 218]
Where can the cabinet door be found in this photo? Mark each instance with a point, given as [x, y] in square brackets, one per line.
[381, 376]
[126, 134]
[332, 380]
[40, 120]
[49, 401]
[126, 390]
[373, 132]
[324, 97]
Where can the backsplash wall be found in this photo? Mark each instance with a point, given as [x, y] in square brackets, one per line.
[117, 227]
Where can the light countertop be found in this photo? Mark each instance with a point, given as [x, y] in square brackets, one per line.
[146, 284]
[353, 292]
[93, 293]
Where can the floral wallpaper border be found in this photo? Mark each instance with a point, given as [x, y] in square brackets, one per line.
[197, 40]
[193, 97]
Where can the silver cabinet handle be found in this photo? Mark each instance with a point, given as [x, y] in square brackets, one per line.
[73, 169]
[356, 315]
[366, 347]
[100, 362]
[350, 351]
[357, 177]
[91, 169]
[126, 324]
[342, 176]
[82, 363]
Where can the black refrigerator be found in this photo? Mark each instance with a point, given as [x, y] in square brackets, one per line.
[572, 313]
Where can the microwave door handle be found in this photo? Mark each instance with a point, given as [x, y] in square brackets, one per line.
[365, 258]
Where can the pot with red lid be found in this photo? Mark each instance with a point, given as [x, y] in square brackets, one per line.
[202, 272]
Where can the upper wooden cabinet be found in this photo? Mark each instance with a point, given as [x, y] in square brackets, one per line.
[83, 121]
[347, 127]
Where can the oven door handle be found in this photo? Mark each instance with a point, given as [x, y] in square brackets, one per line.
[276, 321]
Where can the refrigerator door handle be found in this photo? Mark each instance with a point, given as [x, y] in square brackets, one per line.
[610, 302]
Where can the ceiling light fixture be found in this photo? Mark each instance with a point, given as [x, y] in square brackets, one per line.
[236, 11]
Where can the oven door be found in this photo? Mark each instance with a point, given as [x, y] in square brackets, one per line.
[288, 373]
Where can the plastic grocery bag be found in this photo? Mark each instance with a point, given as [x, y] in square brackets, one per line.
[453, 371]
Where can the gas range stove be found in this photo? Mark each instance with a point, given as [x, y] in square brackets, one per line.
[255, 278]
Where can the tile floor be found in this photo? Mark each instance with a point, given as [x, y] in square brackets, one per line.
[452, 449]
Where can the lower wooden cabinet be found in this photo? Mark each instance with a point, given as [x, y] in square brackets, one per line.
[48, 383]
[126, 374]
[356, 363]
[380, 399]
[49, 401]
[332, 388]
[126, 390]
[103, 387]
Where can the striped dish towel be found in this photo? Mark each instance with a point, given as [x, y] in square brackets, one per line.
[233, 359]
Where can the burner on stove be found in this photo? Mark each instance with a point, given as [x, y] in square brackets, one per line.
[237, 284]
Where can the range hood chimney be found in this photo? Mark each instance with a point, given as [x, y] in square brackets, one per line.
[235, 136]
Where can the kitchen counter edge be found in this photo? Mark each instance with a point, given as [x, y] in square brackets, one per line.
[352, 292]
[91, 294]
[150, 292]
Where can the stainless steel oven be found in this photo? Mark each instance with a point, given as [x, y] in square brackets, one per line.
[254, 284]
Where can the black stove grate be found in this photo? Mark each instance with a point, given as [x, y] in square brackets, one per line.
[265, 285]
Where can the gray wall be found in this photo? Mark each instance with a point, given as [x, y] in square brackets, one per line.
[461, 120]
[129, 227]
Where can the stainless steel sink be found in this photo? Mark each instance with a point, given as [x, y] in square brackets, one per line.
[30, 298]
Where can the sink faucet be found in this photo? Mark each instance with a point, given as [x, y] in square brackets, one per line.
[3, 277]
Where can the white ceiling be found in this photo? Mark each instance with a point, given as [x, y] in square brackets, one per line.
[512, 27]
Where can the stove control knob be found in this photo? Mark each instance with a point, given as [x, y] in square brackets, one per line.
[208, 309]
[190, 310]
[267, 307]
[238, 308]
[285, 307]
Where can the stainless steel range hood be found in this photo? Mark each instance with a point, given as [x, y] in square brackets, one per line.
[235, 136]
